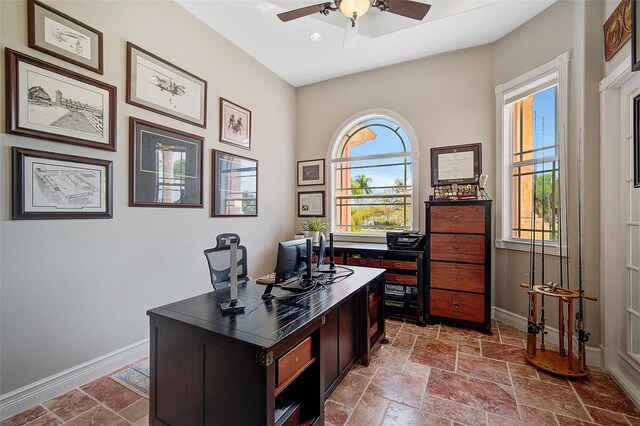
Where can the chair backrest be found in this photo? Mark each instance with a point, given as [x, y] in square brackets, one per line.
[218, 260]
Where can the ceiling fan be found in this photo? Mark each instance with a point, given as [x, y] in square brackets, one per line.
[354, 9]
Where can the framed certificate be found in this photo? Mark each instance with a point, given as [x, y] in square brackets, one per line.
[461, 164]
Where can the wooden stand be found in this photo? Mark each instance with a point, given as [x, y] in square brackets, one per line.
[561, 362]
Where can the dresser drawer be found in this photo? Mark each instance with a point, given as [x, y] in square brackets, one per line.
[461, 219]
[291, 364]
[457, 276]
[457, 248]
[456, 305]
[362, 261]
[401, 279]
[399, 264]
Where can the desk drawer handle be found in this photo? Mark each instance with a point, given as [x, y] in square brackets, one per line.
[297, 359]
[456, 247]
[456, 218]
[363, 262]
[455, 305]
[455, 276]
[398, 265]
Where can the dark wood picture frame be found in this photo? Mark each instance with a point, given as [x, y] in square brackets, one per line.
[15, 99]
[300, 172]
[166, 85]
[144, 184]
[20, 210]
[476, 148]
[225, 124]
[35, 41]
[312, 214]
[216, 180]
[636, 141]
[635, 35]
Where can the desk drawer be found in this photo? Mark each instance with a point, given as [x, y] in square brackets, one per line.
[363, 261]
[399, 264]
[463, 219]
[402, 279]
[291, 364]
[457, 248]
[457, 305]
[457, 276]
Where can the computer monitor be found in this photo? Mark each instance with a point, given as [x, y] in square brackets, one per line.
[292, 259]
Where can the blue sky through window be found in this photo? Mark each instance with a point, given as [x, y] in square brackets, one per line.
[544, 123]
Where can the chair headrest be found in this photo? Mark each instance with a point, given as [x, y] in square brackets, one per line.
[223, 240]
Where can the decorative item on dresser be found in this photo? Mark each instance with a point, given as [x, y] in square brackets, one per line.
[458, 263]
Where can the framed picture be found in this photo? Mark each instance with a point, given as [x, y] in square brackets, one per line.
[157, 85]
[47, 185]
[460, 164]
[66, 38]
[48, 102]
[636, 142]
[235, 185]
[311, 203]
[311, 172]
[635, 35]
[235, 124]
[166, 166]
[617, 29]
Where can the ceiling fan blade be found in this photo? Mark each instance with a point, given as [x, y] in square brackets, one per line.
[408, 8]
[304, 11]
[351, 34]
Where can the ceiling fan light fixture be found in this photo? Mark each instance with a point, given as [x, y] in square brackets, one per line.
[354, 8]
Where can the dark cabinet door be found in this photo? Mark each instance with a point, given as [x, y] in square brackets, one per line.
[348, 333]
[330, 345]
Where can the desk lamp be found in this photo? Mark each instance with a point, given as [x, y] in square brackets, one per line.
[234, 304]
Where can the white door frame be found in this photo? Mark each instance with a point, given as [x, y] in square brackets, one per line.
[615, 90]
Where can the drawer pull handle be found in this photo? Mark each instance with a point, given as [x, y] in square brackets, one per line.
[363, 262]
[456, 218]
[456, 247]
[455, 305]
[398, 264]
[455, 276]
[297, 358]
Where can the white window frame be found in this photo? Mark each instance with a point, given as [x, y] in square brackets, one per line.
[331, 161]
[555, 71]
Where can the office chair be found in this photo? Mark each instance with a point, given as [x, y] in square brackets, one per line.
[218, 260]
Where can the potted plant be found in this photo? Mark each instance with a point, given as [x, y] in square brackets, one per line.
[314, 226]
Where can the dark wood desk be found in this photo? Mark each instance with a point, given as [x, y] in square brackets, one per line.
[207, 368]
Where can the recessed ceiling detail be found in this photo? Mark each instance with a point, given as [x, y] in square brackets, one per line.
[384, 39]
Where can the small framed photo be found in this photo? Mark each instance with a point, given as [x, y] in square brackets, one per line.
[66, 38]
[311, 172]
[636, 142]
[49, 102]
[166, 166]
[311, 203]
[235, 185]
[157, 85]
[48, 185]
[235, 124]
[461, 164]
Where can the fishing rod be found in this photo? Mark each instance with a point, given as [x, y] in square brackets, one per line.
[583, 336]
[544, 201]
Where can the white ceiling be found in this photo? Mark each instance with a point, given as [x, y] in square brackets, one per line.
[384, 39]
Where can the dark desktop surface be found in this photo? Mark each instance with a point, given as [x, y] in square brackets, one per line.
[265, 323]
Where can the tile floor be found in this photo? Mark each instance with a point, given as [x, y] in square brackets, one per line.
[443, 375]
[435, 375]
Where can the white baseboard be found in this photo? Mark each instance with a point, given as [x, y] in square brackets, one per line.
[593, 354]
[627, 374]
[50, 387]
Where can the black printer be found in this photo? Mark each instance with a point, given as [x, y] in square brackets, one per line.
[405, 240]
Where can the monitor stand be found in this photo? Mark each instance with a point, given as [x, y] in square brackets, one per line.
[299, 286]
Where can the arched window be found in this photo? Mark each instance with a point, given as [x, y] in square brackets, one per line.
[373, 176]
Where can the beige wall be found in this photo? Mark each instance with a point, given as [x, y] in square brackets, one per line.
[449, 99]
[73, 290]
[434, 95]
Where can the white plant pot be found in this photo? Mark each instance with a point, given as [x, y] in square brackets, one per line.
[315, 235]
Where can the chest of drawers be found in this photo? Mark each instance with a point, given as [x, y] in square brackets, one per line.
[458, 271]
